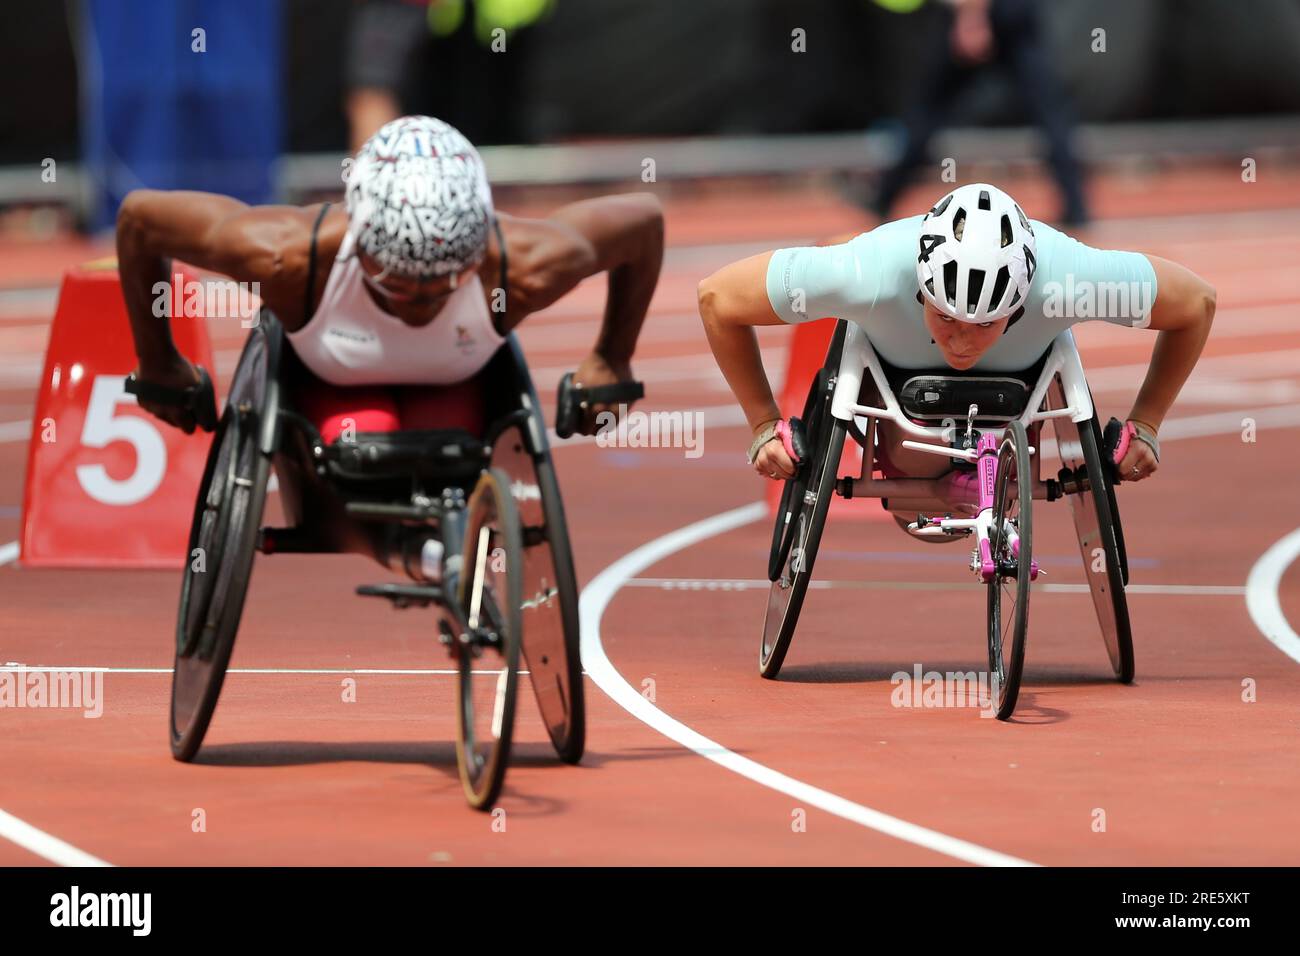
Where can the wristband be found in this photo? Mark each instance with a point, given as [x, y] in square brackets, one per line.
[1145, 434]
[765, 436]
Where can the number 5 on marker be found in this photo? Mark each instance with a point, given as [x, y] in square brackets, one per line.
[107, 485]
[103, 427]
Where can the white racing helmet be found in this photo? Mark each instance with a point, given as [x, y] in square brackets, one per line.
[418, 199]
[977, 255]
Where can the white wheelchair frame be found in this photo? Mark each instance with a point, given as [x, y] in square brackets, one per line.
[859, 360]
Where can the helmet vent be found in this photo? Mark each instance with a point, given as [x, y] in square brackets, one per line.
[943, 204]
[974, 286]
[984, 200]
[1006, 231]
[1000, 285]
[958, 223]
[950, 283]
[1023, 221]
[1030, 263]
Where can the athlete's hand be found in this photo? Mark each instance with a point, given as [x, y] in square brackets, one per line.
[772, 460]
[179, 373]
[594, 371]
[1139, 462]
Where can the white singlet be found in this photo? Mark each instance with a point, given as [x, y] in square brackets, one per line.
[350, 340]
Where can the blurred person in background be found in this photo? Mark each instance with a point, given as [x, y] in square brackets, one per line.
[977, 35]
[457, 59]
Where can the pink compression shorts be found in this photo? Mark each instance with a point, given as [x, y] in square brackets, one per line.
[390, 408]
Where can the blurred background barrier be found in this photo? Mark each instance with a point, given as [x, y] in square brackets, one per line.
[307, 79]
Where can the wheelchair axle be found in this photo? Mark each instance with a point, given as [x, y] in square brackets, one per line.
[476, 639]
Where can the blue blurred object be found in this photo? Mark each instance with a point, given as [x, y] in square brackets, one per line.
[167, 108]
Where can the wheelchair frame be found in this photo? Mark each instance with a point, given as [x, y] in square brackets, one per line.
[524, 485]
[1060, 395]
[859, 358]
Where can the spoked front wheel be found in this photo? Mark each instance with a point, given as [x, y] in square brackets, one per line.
[487, 652]
[1011, 551]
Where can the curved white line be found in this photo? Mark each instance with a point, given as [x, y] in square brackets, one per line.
[596, 597]
[8, 552]
[1262, 598]
[43, 845]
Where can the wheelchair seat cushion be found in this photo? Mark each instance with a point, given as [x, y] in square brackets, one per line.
[337, 411]
[931, 395]
[933, 398]
[420, 452]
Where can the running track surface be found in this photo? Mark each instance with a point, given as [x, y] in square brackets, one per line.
[723, 767]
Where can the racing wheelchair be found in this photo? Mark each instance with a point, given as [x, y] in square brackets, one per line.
[986, 496]
[505, 589]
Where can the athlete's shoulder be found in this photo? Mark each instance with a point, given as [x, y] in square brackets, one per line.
[907, 228]
[1059, 253]
[1048, 237]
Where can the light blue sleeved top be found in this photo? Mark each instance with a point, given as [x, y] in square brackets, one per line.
[871, 280]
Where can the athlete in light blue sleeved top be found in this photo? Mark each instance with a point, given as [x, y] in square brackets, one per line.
[871, 280]
[972, 284]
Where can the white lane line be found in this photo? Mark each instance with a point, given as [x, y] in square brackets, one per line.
[15, 431]
[43, 844]
[1262, 598]
[596, 597]
[8, 553]
[762, 584]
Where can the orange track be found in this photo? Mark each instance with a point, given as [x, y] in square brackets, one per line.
[1186, 772]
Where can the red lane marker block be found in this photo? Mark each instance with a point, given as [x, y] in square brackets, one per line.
[807, 354]
[108, 485]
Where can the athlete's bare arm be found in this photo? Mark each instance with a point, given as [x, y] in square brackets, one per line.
[1182, 313]
[732, 301]
[621, 235]
[263, 244]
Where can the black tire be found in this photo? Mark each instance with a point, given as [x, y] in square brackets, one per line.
[1097, 525]
[551, 645]
[786, 594]
[490, 596]
[1007, 657]
[227, 516]
[1096, 521]
[814, 404]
